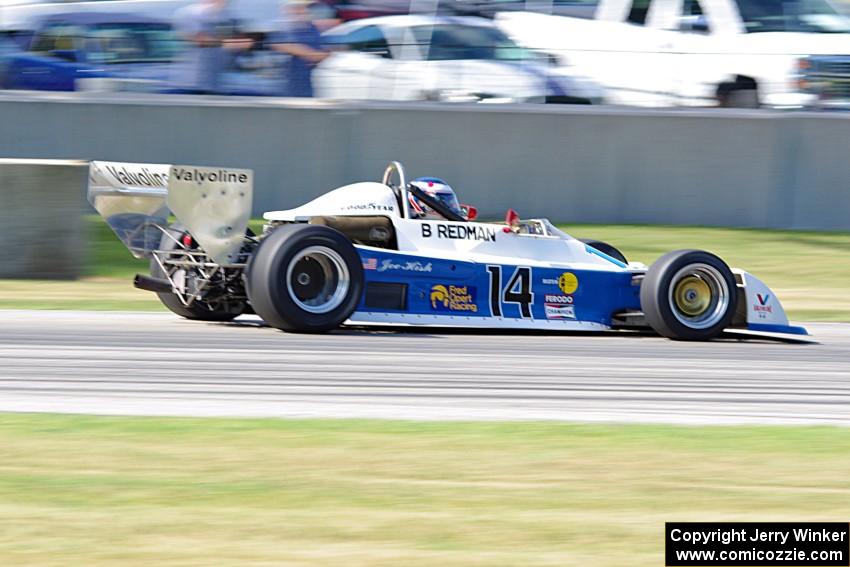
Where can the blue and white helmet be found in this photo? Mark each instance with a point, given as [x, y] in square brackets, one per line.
[439, 190]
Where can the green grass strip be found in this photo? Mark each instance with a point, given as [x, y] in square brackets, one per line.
[103, 491]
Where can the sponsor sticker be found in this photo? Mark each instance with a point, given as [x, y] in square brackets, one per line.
[216, 176]
[762, 306]
[560, 311]
[568, 283]
[558, 299]
[405, 266]
[370, 264]
[471, 231]
[368, 207]
[453, 298]
[137, 175]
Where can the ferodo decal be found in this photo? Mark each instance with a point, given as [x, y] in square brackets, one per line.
[559, 306]
[558, 299]
[458, 232]
[568, 283]
[453, 298]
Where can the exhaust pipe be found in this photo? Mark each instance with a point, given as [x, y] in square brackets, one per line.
[148, 283]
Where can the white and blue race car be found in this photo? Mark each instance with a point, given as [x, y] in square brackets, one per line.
[357, 255]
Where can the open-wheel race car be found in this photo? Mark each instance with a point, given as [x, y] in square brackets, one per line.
[361, 254]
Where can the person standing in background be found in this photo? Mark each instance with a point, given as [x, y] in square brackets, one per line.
[301, 39]
[211, 41]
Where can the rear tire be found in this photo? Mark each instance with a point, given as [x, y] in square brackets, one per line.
[305, 278]
[689, 295]
[605, 248]
[197, 311]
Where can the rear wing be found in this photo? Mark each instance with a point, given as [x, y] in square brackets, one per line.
[135, 199]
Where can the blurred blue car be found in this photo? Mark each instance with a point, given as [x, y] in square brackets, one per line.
[93, 51]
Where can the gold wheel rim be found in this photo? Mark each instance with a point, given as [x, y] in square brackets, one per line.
[692, 296]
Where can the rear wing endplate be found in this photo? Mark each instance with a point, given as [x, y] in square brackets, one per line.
[135, 199]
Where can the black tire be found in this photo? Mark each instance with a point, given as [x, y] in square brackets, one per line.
[303, 291]
[605, 248]
[198, 311]
[742, 92]
[689, 295]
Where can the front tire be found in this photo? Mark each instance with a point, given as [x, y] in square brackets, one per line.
[305, 278]
[689, 295]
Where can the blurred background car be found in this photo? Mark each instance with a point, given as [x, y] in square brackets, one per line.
[661, 53]
[827, 77]
[113, 51]
[489, 8]
[419, 57]
[358, 9]
[93, 51]
[255, 15]
[694, 52]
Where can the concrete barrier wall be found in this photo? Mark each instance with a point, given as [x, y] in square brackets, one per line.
[709, 167]
[41, 232]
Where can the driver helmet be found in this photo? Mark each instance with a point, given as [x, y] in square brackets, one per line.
[438, 189]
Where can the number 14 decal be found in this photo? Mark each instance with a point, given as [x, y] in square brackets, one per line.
[517, 290]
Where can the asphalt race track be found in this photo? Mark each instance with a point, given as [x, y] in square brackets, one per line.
[158, 364]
